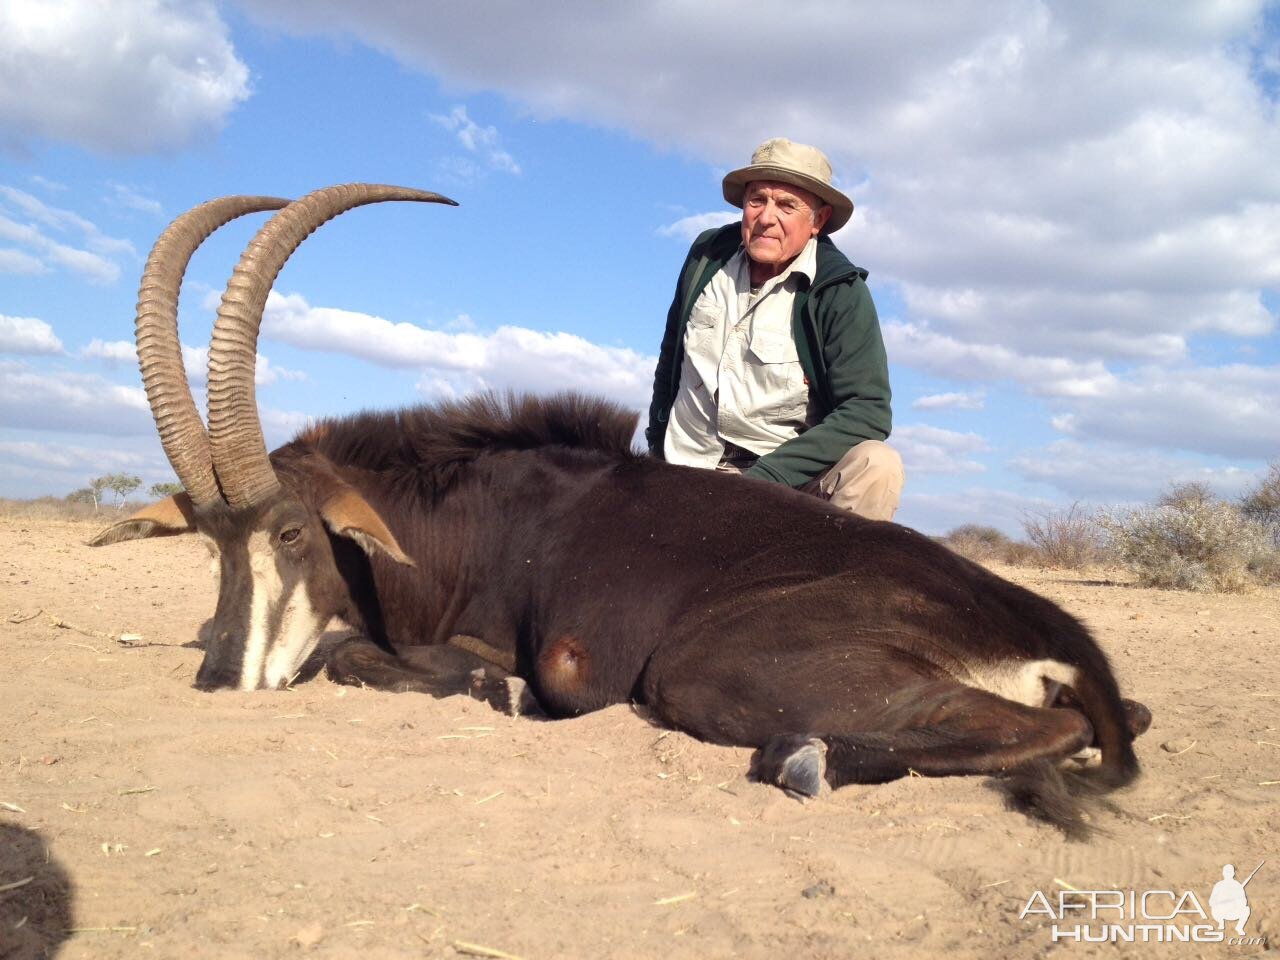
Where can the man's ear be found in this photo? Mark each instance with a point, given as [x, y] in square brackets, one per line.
[170, 516]
[348, 514]
[820, 218]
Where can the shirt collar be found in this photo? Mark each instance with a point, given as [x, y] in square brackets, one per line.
[806, 262]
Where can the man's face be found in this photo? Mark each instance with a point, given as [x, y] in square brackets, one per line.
[778, 220]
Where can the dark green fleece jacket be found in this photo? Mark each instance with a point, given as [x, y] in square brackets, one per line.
[837, 336]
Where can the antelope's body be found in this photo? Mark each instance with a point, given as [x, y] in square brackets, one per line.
[844, 649]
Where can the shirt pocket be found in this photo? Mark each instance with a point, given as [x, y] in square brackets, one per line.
[782, 392]
[705, 318]
[700, 341]
[706, 314]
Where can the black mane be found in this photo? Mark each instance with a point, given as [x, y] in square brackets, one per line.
[438, 438]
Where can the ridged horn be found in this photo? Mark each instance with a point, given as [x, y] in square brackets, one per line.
[235, 431]
[160, 350]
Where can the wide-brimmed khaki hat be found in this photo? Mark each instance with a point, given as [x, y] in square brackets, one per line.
[797, 164]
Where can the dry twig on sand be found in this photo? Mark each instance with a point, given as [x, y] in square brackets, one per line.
[479, 950]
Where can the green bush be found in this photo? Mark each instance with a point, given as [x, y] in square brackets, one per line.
[1189, 540]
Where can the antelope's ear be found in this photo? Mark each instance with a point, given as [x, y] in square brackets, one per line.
[170, 516]
[348, 514]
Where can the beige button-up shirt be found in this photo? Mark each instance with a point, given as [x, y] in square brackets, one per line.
[741, 381]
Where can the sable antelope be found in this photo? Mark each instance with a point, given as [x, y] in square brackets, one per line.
[844, 649]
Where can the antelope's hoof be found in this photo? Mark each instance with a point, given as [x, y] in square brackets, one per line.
[798, 764]
[1088, 757]
[509, 694]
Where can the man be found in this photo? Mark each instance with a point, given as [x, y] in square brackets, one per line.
[772, 364]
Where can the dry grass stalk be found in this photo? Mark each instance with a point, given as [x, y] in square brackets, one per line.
[102, 930]
[479, 950]
[61, 624]
[679, 898]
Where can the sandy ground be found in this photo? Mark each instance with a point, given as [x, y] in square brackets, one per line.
[159, 821]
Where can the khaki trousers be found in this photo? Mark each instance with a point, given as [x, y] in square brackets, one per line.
[867, 480]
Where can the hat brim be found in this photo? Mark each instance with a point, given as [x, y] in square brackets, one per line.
[735, 186]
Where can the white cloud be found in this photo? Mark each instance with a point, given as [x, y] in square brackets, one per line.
[1111, 473]
[62, 456]
[920, 347]
[95, 268]
[485, 142]
[1228, 411]
[950, 401]
[64, 221]
[509, 358]
[113, 351]
[99, 411]
[15, 261]
[281, 426]
[27, 335]
[129, 76]
[44, 183]
[39, 468]
[133, 200]
[1225, 410]
[927, 449]
[70, 402]
[96, 261]
[1064, 186]
[688, 228]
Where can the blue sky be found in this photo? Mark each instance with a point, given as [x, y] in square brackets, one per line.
[1070, 213]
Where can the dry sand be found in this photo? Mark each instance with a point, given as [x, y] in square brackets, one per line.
[334, 822]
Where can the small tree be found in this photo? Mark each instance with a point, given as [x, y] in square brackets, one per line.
[1262, 503]
[1065, 538]
[97, 487]
[162, 490]
[83, 495]
[122, 484]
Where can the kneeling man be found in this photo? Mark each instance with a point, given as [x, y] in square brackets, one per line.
[772, 364]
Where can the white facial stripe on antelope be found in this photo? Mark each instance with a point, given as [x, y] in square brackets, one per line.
[1033, 683]
[268, 589]
[283, 624]
[300, 627]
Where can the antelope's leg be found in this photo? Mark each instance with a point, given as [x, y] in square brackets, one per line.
[440, 670]
[957, 731]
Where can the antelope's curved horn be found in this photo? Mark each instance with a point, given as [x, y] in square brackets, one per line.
[235, 431]
[159, 349]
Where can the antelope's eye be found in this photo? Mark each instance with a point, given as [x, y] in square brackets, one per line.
[290, 534]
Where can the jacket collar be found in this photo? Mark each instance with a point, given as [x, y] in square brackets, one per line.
[832, 264]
